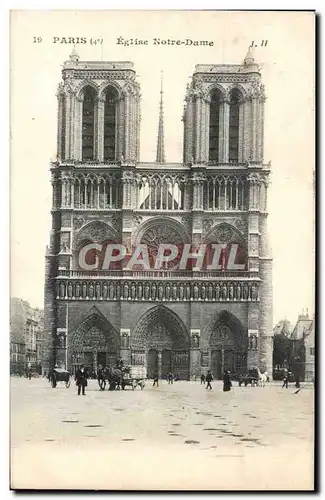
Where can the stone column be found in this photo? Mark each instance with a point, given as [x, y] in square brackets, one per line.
[206, 137]
[266, 300]
[125, 350]
[189, 130]
[126, 126]
[120, 121]
[221, 145]
[195, 353]
[50, 310]
[254, 128]
[253, 323]
[198, 106]
[260, 130]
[204, 154]
[159, 364]
[195, 193]
[241, 156]
[133, 130]
[60, 130]
[128, 182]
[138, 122]
[226, 114]
[67, 140]
[247, 139]
[99, 128]
[78, 129]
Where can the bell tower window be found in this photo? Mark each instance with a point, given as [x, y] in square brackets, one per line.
[234, 126]
[110, 125]
[88, 126]
[215, 105]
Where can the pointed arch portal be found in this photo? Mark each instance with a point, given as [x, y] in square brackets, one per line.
[160, 341]
[227, 344]
[93, 342]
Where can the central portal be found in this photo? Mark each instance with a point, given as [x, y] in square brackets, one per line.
[164, 339]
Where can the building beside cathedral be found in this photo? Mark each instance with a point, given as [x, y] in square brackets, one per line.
[170, 320]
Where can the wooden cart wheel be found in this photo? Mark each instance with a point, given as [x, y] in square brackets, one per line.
[53, 383]
[67, 384]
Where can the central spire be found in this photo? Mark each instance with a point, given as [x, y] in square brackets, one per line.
[160, 157]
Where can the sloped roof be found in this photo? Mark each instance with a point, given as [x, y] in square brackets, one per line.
[302, 326]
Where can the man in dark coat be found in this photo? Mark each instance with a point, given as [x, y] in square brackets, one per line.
[285, 380]
[209, 378]
[226, 381]
[155, 380]
[81, 380]
[202, 379]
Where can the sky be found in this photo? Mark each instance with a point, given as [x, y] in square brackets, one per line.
[287, 64]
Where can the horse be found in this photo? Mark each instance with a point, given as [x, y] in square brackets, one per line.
[262, 378]
[113, 376]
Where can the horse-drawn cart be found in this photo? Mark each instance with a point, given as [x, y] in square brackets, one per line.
[59, 375]
[120, 378]
[134, 376]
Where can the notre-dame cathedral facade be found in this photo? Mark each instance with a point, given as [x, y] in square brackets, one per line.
[179, 321]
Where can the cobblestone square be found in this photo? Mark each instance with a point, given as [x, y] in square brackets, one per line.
[178, 436]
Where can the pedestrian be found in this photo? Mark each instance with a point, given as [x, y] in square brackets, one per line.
[202, 379]
[297, 380]
[155, 380]
[81, 380]
[285, 380]
[226, 381]
[209, 378]
[170, 378]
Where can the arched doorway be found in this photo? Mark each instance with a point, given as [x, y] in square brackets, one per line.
[227, 344]
[160, 341]
[92, 343]
[152, 363]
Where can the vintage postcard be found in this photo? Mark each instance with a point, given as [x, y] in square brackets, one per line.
[162, 329]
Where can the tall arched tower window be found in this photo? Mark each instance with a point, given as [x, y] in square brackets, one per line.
[110, 124]
[235, 98]
[88, 125]
[215, 104]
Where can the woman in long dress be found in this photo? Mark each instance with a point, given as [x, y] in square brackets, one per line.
[226, 381]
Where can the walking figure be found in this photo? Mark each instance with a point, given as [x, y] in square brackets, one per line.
[81, 380]
[209, 378]
[285, 380]
[170, 378]
[226, 381]
[202, 379]
[155, 380]
[297, 380]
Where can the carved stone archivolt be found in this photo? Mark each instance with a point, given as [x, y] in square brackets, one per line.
[160, 328]
[159, 230]
[162, 292]
[94, 333]
[225, 330]
[95, 231]
[223, 233]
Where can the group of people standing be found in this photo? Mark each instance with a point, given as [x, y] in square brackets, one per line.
[208, 379]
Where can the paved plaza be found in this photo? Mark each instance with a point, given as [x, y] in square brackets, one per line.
[174, 436]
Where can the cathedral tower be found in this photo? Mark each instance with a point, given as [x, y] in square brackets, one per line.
[169, 319]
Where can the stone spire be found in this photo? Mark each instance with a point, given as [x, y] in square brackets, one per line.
[160, 157]
[249, 59]
[74, 56]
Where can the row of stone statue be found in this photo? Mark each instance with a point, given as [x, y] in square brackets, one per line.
[112, 290]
